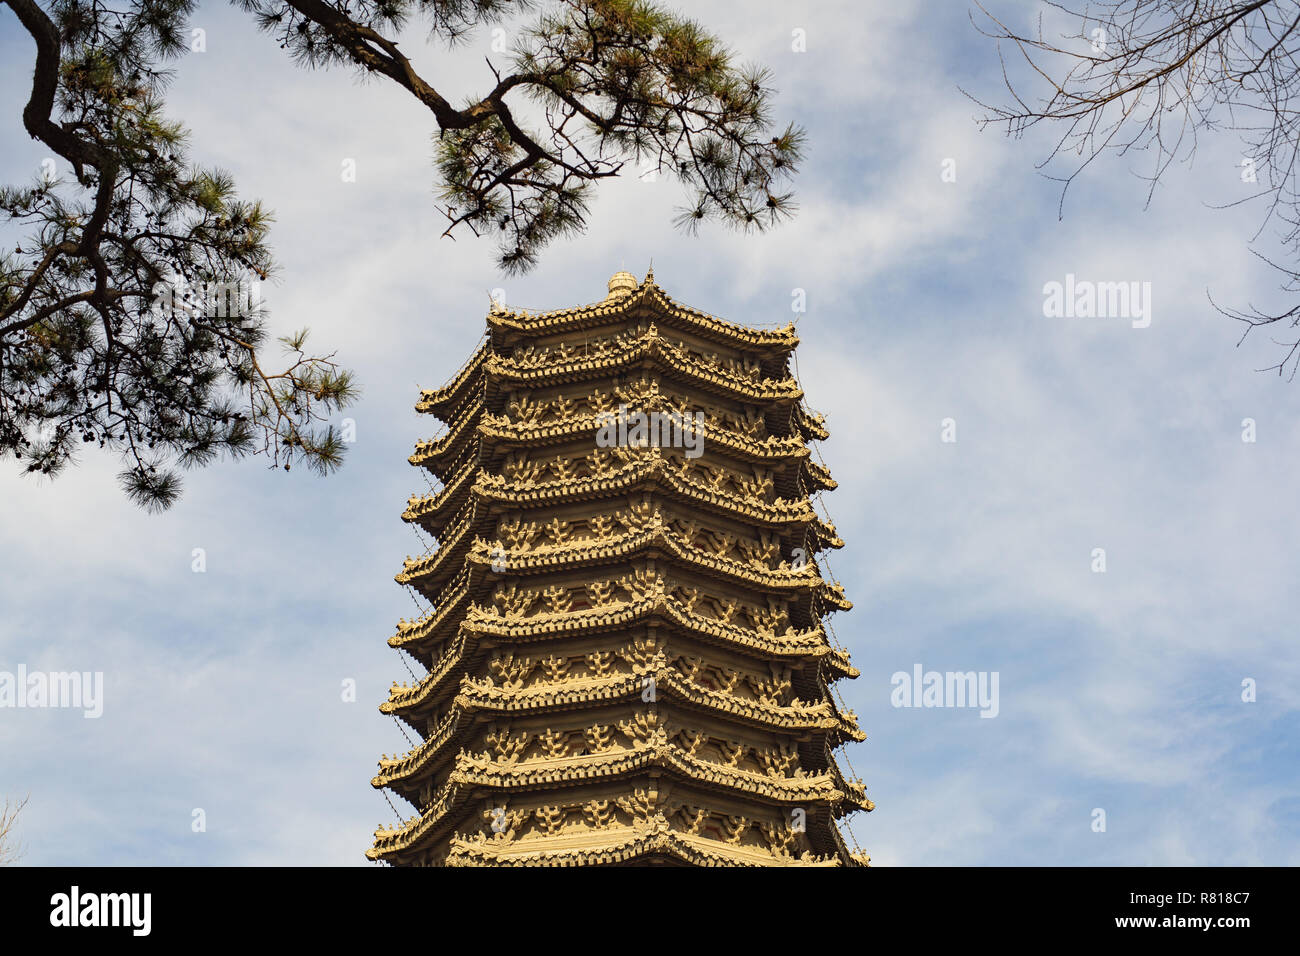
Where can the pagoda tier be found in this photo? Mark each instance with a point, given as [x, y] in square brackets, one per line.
[625, 659]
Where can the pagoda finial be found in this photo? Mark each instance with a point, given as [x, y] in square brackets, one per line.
[621, 284]
[650, 274]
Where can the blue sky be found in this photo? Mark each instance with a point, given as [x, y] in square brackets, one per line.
[1119, 691]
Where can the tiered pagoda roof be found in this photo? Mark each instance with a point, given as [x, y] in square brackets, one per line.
[626, 661]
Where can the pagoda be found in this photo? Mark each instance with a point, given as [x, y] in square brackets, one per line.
[626, 658]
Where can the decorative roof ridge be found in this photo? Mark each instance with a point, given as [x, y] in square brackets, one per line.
[426, 507]
[799, 645]
[414, 569]
[430, 683]
[833, 594]
[624, 545]
[395, 770]
[651, 345]
[639, 843]
[433, 398]
[420, 629]
[389, 840]
[479, 770]
[813, 425]
[432, 449]
[524, 321]
[764, 449]
[855, 790]
[820, 715]
[821, 475]
[782, 511]
[827, 534]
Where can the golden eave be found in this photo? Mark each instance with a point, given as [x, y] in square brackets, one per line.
[431, 511]
[593, 552]
[484, 771]
[585, 693]
[396, 770]
[667, 356]
[757, 450]
[651, 837]
[812, 426]
[439, 399]
[626, 846]
[433, 452]
[634, 846]
[447, 612]
[649, 467]
[789, 646]
[684, 317]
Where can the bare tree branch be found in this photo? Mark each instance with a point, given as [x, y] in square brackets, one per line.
[1146, 77]
[11, 850]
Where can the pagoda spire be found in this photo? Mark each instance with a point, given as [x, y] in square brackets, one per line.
[627, 659]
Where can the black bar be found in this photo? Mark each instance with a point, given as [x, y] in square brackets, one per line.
[368, 904]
